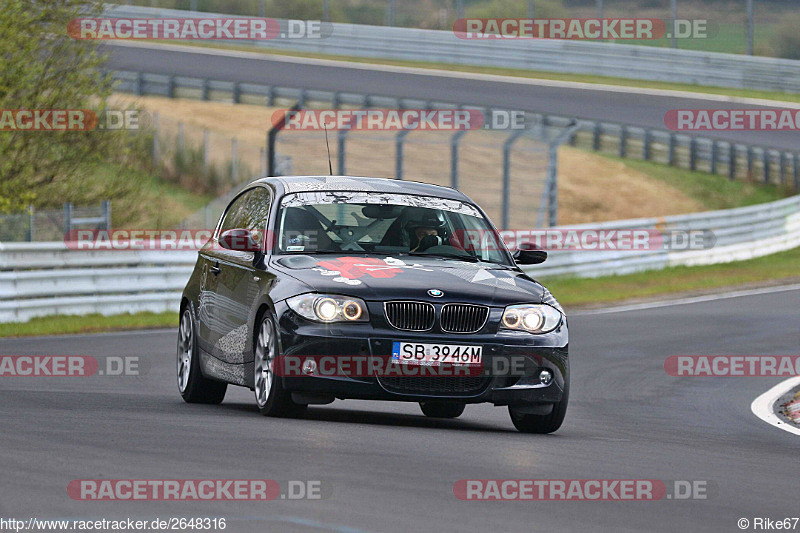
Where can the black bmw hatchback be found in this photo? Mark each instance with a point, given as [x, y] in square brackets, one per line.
[314, 289]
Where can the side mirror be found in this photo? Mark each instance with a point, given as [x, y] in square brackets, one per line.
[240, 240]
[529, 254]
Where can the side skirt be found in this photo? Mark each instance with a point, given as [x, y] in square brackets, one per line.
[221, 371]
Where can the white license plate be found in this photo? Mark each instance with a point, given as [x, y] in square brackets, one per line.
[415, 353]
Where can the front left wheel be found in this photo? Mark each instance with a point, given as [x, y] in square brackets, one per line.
[535, 423]
[271, 397]
[193, 386]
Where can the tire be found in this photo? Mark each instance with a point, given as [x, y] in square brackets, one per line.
[272, 399]
[530, 423]
[193, 386]
[442, 409]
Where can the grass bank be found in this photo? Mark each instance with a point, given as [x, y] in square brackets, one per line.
[771, 269]
[63, 324]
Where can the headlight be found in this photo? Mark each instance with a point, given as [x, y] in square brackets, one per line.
[329, 308]
[533, 318]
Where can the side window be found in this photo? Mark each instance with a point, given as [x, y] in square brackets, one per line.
[256, 211]
[234, 213]
[248, 211]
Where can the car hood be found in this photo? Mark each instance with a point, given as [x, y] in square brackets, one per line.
[392, 278]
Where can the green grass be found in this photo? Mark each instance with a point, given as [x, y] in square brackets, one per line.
[576, 292]
[139, 199]
[522, 73]
[63, 324]
[156, 187]
[712, 190]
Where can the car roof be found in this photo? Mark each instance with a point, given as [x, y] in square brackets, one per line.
[292, 184]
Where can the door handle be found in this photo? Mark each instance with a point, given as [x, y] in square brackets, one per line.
[215, 269]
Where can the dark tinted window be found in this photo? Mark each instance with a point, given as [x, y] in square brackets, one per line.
[248, 211]
[256, 210]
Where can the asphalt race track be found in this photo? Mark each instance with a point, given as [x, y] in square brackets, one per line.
[388, 468]
[620, 107]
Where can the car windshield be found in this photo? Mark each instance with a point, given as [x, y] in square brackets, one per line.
[386, 223]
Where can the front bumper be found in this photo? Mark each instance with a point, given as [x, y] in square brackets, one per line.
[512, 362]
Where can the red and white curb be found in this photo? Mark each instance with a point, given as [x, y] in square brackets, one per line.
[792, 409]
[763, 406]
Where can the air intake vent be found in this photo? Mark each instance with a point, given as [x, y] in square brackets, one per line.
[410, 316]
[463, 318]
[436, 385]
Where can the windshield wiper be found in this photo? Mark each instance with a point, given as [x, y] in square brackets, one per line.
[336, 252]
[469, 258]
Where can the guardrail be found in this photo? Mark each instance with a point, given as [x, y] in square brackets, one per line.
[38, 279]
[739, 234]
[577, 57]
[734, 160]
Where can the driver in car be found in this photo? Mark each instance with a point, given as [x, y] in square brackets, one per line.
[424, 234]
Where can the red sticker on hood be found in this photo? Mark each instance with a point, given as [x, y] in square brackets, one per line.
[358, 267]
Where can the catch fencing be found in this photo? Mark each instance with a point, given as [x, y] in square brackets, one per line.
[486, 164]
[41, 225]
[737, 161]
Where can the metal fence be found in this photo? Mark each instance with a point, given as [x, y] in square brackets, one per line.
[48, 225]
[193, 154]
[603, 59]
[38, 279]
[486, 164]
[735, 160]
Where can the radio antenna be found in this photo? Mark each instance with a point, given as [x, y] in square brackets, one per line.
[330, 166]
